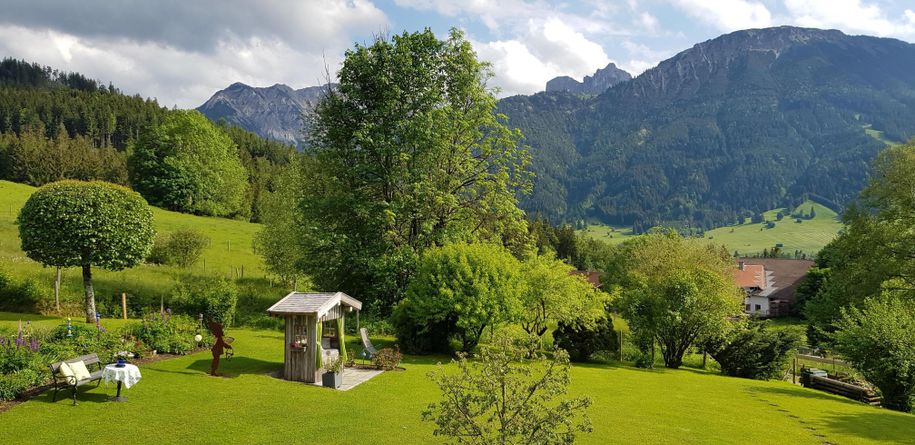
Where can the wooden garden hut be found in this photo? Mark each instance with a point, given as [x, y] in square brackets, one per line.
[314, 331]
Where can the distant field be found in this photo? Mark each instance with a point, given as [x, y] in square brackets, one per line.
[808, 236]
[230, 253]
[610, 234]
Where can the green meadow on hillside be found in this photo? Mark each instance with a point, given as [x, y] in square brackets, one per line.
[807, 236]
[176, 402]
[230, 254]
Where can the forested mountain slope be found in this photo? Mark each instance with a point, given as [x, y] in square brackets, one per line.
[746, 122]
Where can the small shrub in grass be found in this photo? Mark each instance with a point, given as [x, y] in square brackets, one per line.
[582, 341]
[180, 248]
[508, 395]
[215, 299]
[387, 358]
[20, 296]
[753, 351]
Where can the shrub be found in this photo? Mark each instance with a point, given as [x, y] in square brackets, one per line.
[173, 334]
[215, 299]
[12, 385]
[181, 248]
[417, 335]
[581, 341]
[754, 352]
[387, 358]
[84, 339]
[877, 338]
[20, 297]
[508, 396]
[463, 288]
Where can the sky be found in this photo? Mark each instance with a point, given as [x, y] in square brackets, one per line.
[182, 51]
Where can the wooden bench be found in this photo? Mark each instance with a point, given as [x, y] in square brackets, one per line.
[62, 382]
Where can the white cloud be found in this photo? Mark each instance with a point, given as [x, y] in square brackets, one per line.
[728, 15]
[641, 57]
[182, 52]
[174, 76]
[647, 22]
[547, 49]
[849, 15]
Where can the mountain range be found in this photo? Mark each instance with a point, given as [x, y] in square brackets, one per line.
[736, 125]
[272, 112]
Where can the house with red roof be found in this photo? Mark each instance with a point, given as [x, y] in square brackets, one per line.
[770, 284]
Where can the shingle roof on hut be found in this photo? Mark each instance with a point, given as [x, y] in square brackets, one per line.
[304, 303]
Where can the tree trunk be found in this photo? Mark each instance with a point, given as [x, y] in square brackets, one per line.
[90, 293]
[57, 290]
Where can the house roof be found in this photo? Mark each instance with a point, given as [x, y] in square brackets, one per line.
[591, 277]
[784, 275]
[752, 275]
[303, 303]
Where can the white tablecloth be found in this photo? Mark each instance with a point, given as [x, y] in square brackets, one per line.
[129, 374]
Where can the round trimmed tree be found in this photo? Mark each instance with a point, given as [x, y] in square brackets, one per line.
[85, 224]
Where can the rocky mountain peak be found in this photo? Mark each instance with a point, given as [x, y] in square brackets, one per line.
[595, 84]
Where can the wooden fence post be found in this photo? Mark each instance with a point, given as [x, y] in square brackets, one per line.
[124, 305]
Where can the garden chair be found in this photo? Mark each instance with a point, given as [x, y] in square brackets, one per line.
[367, 344]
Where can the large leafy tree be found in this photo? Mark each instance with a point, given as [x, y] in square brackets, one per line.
[410, 154]
[877, 244]
[86, 224]
[675, 291]
[188, 164]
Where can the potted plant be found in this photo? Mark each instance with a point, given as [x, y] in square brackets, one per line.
[333, 374]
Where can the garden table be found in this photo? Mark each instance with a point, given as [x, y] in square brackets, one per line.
[128, 375]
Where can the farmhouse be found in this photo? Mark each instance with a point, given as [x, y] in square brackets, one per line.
[770, 284]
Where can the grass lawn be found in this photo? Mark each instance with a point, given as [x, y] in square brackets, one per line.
[229, 254]
[176, 402]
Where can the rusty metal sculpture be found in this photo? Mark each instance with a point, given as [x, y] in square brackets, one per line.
[219, 346]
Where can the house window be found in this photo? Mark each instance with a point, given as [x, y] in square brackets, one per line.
[758, 307]
[748, 306]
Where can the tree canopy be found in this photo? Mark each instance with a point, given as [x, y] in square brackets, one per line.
[552, 294]
[187, 164]
[458, 291]
[877, 243]
[409, 154]
[878, 338]
[675, 291]
[85, 224]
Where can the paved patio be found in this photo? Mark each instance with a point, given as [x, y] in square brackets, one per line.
[353, 377]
